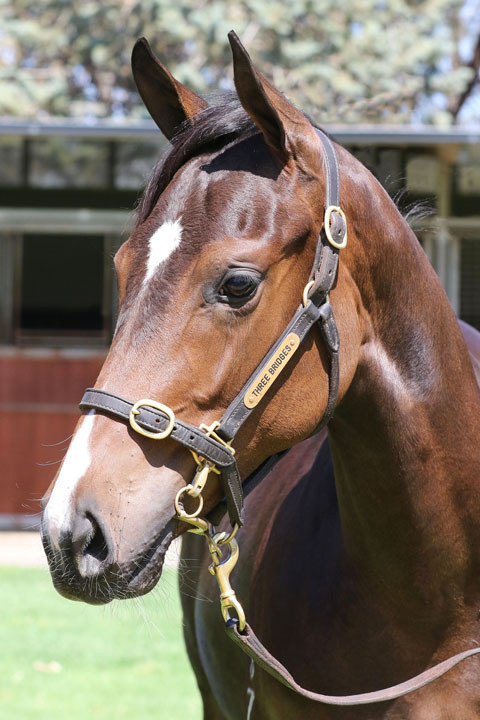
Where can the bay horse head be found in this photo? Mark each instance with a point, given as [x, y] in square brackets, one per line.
[223, 247]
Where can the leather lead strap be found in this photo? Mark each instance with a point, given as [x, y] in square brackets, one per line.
[251, 645]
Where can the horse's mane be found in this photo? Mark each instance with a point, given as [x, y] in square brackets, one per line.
[218, 125]
[225, 121]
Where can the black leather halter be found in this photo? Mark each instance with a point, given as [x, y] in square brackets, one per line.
[214, 443]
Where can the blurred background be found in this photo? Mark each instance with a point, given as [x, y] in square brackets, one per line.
[396, 82]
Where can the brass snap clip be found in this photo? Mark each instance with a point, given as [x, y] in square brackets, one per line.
[222, 570]
[209, 431]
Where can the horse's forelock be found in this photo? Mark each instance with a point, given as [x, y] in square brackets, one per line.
[218, 125]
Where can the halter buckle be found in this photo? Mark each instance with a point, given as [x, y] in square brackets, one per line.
[326, 223]
[209, 431]
[158, 406]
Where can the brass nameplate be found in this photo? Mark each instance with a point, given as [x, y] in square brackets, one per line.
[271, 371]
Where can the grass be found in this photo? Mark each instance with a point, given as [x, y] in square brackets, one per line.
[61, 659]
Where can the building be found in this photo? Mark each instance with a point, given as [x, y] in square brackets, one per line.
[66, 194]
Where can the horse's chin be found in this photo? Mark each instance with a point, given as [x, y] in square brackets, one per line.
[119, 581]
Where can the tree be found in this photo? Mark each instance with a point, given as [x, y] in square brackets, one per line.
[374, 60]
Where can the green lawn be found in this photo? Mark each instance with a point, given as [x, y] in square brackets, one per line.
[61, 659]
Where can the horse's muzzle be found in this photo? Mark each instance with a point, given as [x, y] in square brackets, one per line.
[85, 565]
[80, 557]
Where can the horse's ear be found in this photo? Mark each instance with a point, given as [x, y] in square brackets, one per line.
[281, 123]
[168, 101]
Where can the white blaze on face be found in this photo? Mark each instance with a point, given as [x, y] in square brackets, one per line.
[75, 465]
[161, 245]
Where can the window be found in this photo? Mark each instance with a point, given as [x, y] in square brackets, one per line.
[470, 282]
[63, 290]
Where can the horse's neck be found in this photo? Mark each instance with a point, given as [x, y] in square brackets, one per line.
[405, 437]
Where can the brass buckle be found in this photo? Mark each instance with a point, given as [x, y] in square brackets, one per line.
[209, 430]
[158, 406]
[326, 223]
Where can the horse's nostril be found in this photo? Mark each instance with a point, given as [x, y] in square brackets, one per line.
[96, 545]
[90, 546]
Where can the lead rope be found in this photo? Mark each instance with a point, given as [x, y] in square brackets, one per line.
[242, 634]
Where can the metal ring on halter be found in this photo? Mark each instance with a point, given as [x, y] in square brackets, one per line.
[326, 223]
[181, 514]
[158, 406]
[306, 290]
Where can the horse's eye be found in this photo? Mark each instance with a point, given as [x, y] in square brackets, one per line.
[239, 286]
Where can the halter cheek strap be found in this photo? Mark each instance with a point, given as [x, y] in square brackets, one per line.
[213, 444]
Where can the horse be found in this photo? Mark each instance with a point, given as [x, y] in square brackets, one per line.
[357, 550]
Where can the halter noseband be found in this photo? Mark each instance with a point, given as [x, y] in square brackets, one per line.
[211, 446]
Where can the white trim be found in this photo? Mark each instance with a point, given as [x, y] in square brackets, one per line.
[358, 134]
[452, 280]
[445, 234]
[465, 227]
[83, 221]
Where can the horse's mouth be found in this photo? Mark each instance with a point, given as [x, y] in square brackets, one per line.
[116, 580]
[147, 570]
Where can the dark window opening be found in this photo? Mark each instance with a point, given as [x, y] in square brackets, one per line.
[470, 282]
[62, 285]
